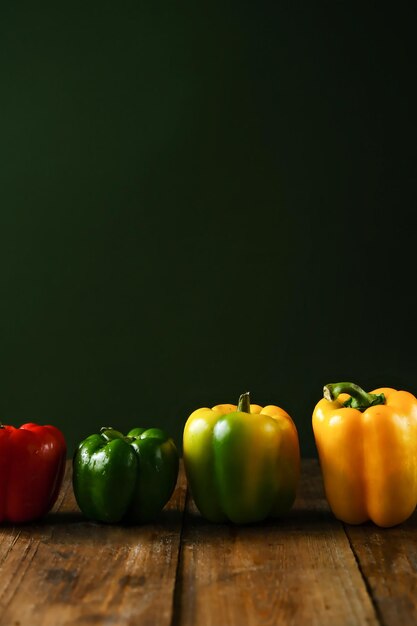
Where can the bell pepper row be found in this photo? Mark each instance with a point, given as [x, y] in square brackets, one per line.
[242, 463]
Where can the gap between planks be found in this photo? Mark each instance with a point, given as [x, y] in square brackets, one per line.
[298, 570]
[66, 570]
[387, 558]
[304, 569]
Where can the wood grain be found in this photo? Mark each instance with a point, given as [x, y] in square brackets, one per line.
[388, 560]
[305, 569]
[299, 570]
[66, 570]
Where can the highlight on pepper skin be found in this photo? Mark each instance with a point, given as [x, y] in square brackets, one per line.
[242, 462]
[367, 447]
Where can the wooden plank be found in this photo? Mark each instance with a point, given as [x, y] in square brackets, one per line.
[66, 570]
[388, 561]
[299, 570]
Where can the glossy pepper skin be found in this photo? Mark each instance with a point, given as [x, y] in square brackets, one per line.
[242, 463]
[367, 445]
[32, 465]
[125, 478]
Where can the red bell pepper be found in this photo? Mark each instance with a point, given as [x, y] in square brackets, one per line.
[32, 464]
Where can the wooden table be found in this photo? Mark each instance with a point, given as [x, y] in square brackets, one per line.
[306, 569]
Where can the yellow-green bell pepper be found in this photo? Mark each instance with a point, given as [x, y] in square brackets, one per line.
[242, 463]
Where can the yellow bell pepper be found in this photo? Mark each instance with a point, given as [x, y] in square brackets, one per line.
[242, 463]
[367, 446]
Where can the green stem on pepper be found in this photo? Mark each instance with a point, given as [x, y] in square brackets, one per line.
[244, 403]
[110, 433]
[359, 399]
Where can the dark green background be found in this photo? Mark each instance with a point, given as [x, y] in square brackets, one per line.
[199, 200]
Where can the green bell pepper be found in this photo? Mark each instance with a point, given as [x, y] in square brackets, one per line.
[125, 478]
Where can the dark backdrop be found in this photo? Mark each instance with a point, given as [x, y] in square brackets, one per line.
[200, 200]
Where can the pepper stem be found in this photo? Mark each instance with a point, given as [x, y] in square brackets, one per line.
[243, 406]
[359, 399]
[110, 433]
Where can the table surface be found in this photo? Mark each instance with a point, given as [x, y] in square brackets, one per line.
[306, 569]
